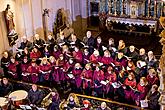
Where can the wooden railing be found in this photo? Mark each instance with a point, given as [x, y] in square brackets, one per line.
[112, 104]
[94, 100]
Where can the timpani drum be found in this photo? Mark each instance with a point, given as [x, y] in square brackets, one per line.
[3, 103]
[18, 97]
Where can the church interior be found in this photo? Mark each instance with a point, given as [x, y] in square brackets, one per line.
[82, 55]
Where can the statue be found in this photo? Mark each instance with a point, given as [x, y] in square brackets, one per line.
[9, 21]
[11, 34]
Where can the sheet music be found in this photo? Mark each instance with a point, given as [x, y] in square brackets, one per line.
[128, 68]
[104, 82]
[60, 44]
[72, 43]
[114, 49]
[143, 64]
[104, 48]
[100, 63]
[113, 64]
[116, 85]
[82, 43]
[143, 103]
[70, 76]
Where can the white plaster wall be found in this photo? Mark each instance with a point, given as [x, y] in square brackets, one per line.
[28, 16]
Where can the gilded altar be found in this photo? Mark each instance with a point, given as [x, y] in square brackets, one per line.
[138, 16]
[133, 8]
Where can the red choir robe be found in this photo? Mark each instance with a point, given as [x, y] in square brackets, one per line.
[128, 91]
[87, 78]
[93, 59]
[98, 76]
[67, 69]
[67, 55]
[52, 64]
[56, 54]
[45, 70]
[25, 74]
[143, 90]
[34, 72]
[35, 55]
[85, 59]
[121, 62]
[152, 80]
[78, 56]
[106, 60]
[77, 75]
[111, 77]
[60, 69]
[13, 69]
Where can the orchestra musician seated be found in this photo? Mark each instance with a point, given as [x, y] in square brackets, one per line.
[72, 102]
[5, 87]
[52, 100]
[55, 101]
[35, 96]
[86, 105]
[103, 107]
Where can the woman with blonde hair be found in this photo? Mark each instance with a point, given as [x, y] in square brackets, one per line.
[152, 77]
[107, 59]
[142, 90]
[45, 70]
[71, 103]
[86, 76]
[65, 51]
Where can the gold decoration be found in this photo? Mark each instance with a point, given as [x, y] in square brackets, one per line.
[162, 41]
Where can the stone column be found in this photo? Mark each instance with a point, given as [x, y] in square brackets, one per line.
[155, 9]
[149, 8]
[143, 11]
[115, 7]
[109, 7]
[122, 7]
[162, 66]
